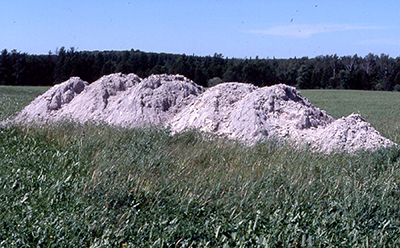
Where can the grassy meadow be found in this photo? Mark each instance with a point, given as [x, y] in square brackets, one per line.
[71, 185]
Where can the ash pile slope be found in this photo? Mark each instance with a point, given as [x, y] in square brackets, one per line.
[235, 110]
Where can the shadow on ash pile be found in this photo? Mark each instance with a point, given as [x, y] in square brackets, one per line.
[235, 110]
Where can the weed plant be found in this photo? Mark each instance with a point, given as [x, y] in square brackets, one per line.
[73, 185]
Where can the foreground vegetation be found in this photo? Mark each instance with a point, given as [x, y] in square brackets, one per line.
[72, 185]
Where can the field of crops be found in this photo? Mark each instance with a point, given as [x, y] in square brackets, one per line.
[85, 186]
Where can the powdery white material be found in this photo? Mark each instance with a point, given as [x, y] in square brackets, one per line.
[116, 99]
[211, 111]
[44, 106]
[235, 110]
[92, 103]
[349, 133]
[154, 101]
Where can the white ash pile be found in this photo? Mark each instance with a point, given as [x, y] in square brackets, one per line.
[116, 99]
[245, 112]
[44, 106]
[235, 110]
[349, 133]
[92, 103]
[248, 113]
[152, 102]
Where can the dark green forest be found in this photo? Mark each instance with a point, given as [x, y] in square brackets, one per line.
[372, 72]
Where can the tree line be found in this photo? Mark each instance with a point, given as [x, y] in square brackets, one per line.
[371, 72]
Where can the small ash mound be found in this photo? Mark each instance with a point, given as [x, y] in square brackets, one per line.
[92, 103]
[44, 106]
[349, 134]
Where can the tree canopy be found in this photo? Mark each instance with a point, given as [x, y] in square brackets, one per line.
[371, 72]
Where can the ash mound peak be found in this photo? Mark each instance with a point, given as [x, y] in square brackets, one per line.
[234, 110]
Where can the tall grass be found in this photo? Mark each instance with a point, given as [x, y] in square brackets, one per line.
[72, 185]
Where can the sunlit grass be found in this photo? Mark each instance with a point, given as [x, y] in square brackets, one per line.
[144, 187]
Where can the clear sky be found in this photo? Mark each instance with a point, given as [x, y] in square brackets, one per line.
[281, 29]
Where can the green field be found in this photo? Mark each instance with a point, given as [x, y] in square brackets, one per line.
[84, 186]
[15, 98]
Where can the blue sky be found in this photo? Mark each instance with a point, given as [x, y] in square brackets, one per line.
[281, 29]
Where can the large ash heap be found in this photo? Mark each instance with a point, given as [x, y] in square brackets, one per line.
[235, 110]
